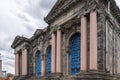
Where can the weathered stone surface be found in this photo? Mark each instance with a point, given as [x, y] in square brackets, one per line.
[67, 14]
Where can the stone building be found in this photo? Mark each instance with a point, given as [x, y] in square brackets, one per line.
[81, 42]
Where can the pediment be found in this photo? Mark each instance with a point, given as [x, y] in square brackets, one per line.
[60, 6]
[38, 32]
[18, 40]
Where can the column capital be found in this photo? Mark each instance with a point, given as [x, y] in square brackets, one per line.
[15, 53]
[59, 28]
[83, 16]
[62, 29]
[84, 20]
[43, 57]
[100, 11]
[18, 52]
[24, 49]
[54, 29]
[93, 10]
[67, 49]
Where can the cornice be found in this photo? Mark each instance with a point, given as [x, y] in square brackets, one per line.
[55, 12]
[19, 40]
[114, 9]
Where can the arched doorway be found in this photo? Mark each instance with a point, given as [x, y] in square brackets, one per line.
[38, 64]
[75, 54]
[49, 60]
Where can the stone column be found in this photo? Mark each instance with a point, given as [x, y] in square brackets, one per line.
[16, 64]
[42, 66]
[53, 53]
[24, 62]
[58, 56]
[34, 66]
[93, 40]
[68, 60]
[83, 43]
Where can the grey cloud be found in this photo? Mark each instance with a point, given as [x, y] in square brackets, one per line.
[13, 24]
[23, 17]
[29, 28]
[10, 64]
[47, 4]
[9, 57]
[33, 8]
[4, 46]
[9, 39]
[8, 61]
[1, 48]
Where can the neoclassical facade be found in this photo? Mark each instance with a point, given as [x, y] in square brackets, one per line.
[81, 42]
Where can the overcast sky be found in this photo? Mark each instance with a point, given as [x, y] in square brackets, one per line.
[20, 17]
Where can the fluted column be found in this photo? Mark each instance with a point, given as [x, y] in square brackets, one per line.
[58, 57]
[93, 40]
[16, 64]
[83, 43]
[24, 62]
[53, 53]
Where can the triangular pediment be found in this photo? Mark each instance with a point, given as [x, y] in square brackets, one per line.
[59, 7]
[38, 32]
[18, 40]
[62, 6]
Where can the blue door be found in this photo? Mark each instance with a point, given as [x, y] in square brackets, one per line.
[75, 54]
[38, 64]
[49, 59]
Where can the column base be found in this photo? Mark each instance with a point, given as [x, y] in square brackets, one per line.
[54, 76]
[22, 77]
[83, 75]
[95, 75]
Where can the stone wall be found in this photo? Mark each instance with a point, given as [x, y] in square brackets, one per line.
[112, 49]
[69, 31]
[108, 44]
[109, 48]
[118, 54]
[101, 27]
